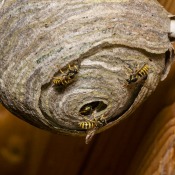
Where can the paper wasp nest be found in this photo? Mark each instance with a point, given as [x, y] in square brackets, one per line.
[70, 66]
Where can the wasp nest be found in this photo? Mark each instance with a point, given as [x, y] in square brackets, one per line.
[72, 66]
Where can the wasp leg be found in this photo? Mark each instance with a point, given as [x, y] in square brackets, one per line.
[69, 67]
[76, 68]
[61, 71]
[64, 82]
[104, 119]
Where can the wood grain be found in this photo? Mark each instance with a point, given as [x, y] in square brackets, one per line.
[155, 154]
[168, 4]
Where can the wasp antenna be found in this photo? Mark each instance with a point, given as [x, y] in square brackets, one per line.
[69, 67]
[76, 67]
[61, 71]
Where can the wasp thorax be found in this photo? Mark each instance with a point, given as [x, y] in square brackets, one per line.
[93, 107]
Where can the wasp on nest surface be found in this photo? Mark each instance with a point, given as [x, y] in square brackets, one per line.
[92, 125]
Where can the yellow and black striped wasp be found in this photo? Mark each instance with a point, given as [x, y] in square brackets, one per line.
[66, 77]
[92, 125]
[140, 74]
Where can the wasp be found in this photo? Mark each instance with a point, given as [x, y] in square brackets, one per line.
[87, 110]
[142, 73]
[87, 124]
[66, 77]
[91, 108]
[94, 123]
[92, 126]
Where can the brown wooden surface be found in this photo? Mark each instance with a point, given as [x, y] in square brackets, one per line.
[127, 147]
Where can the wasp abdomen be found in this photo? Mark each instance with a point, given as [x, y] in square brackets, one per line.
[66, 77]
[61, 81]
[90, 124]
[87, 125]
[142, 73]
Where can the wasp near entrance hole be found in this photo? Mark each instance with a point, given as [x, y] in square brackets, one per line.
[142, 73]
[66, 77]
[92, 126]
[95, 123]
[87, 110]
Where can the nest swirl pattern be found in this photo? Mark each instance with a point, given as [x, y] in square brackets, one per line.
[109, 42]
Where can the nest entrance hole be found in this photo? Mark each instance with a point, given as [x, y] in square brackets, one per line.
[89, 108]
